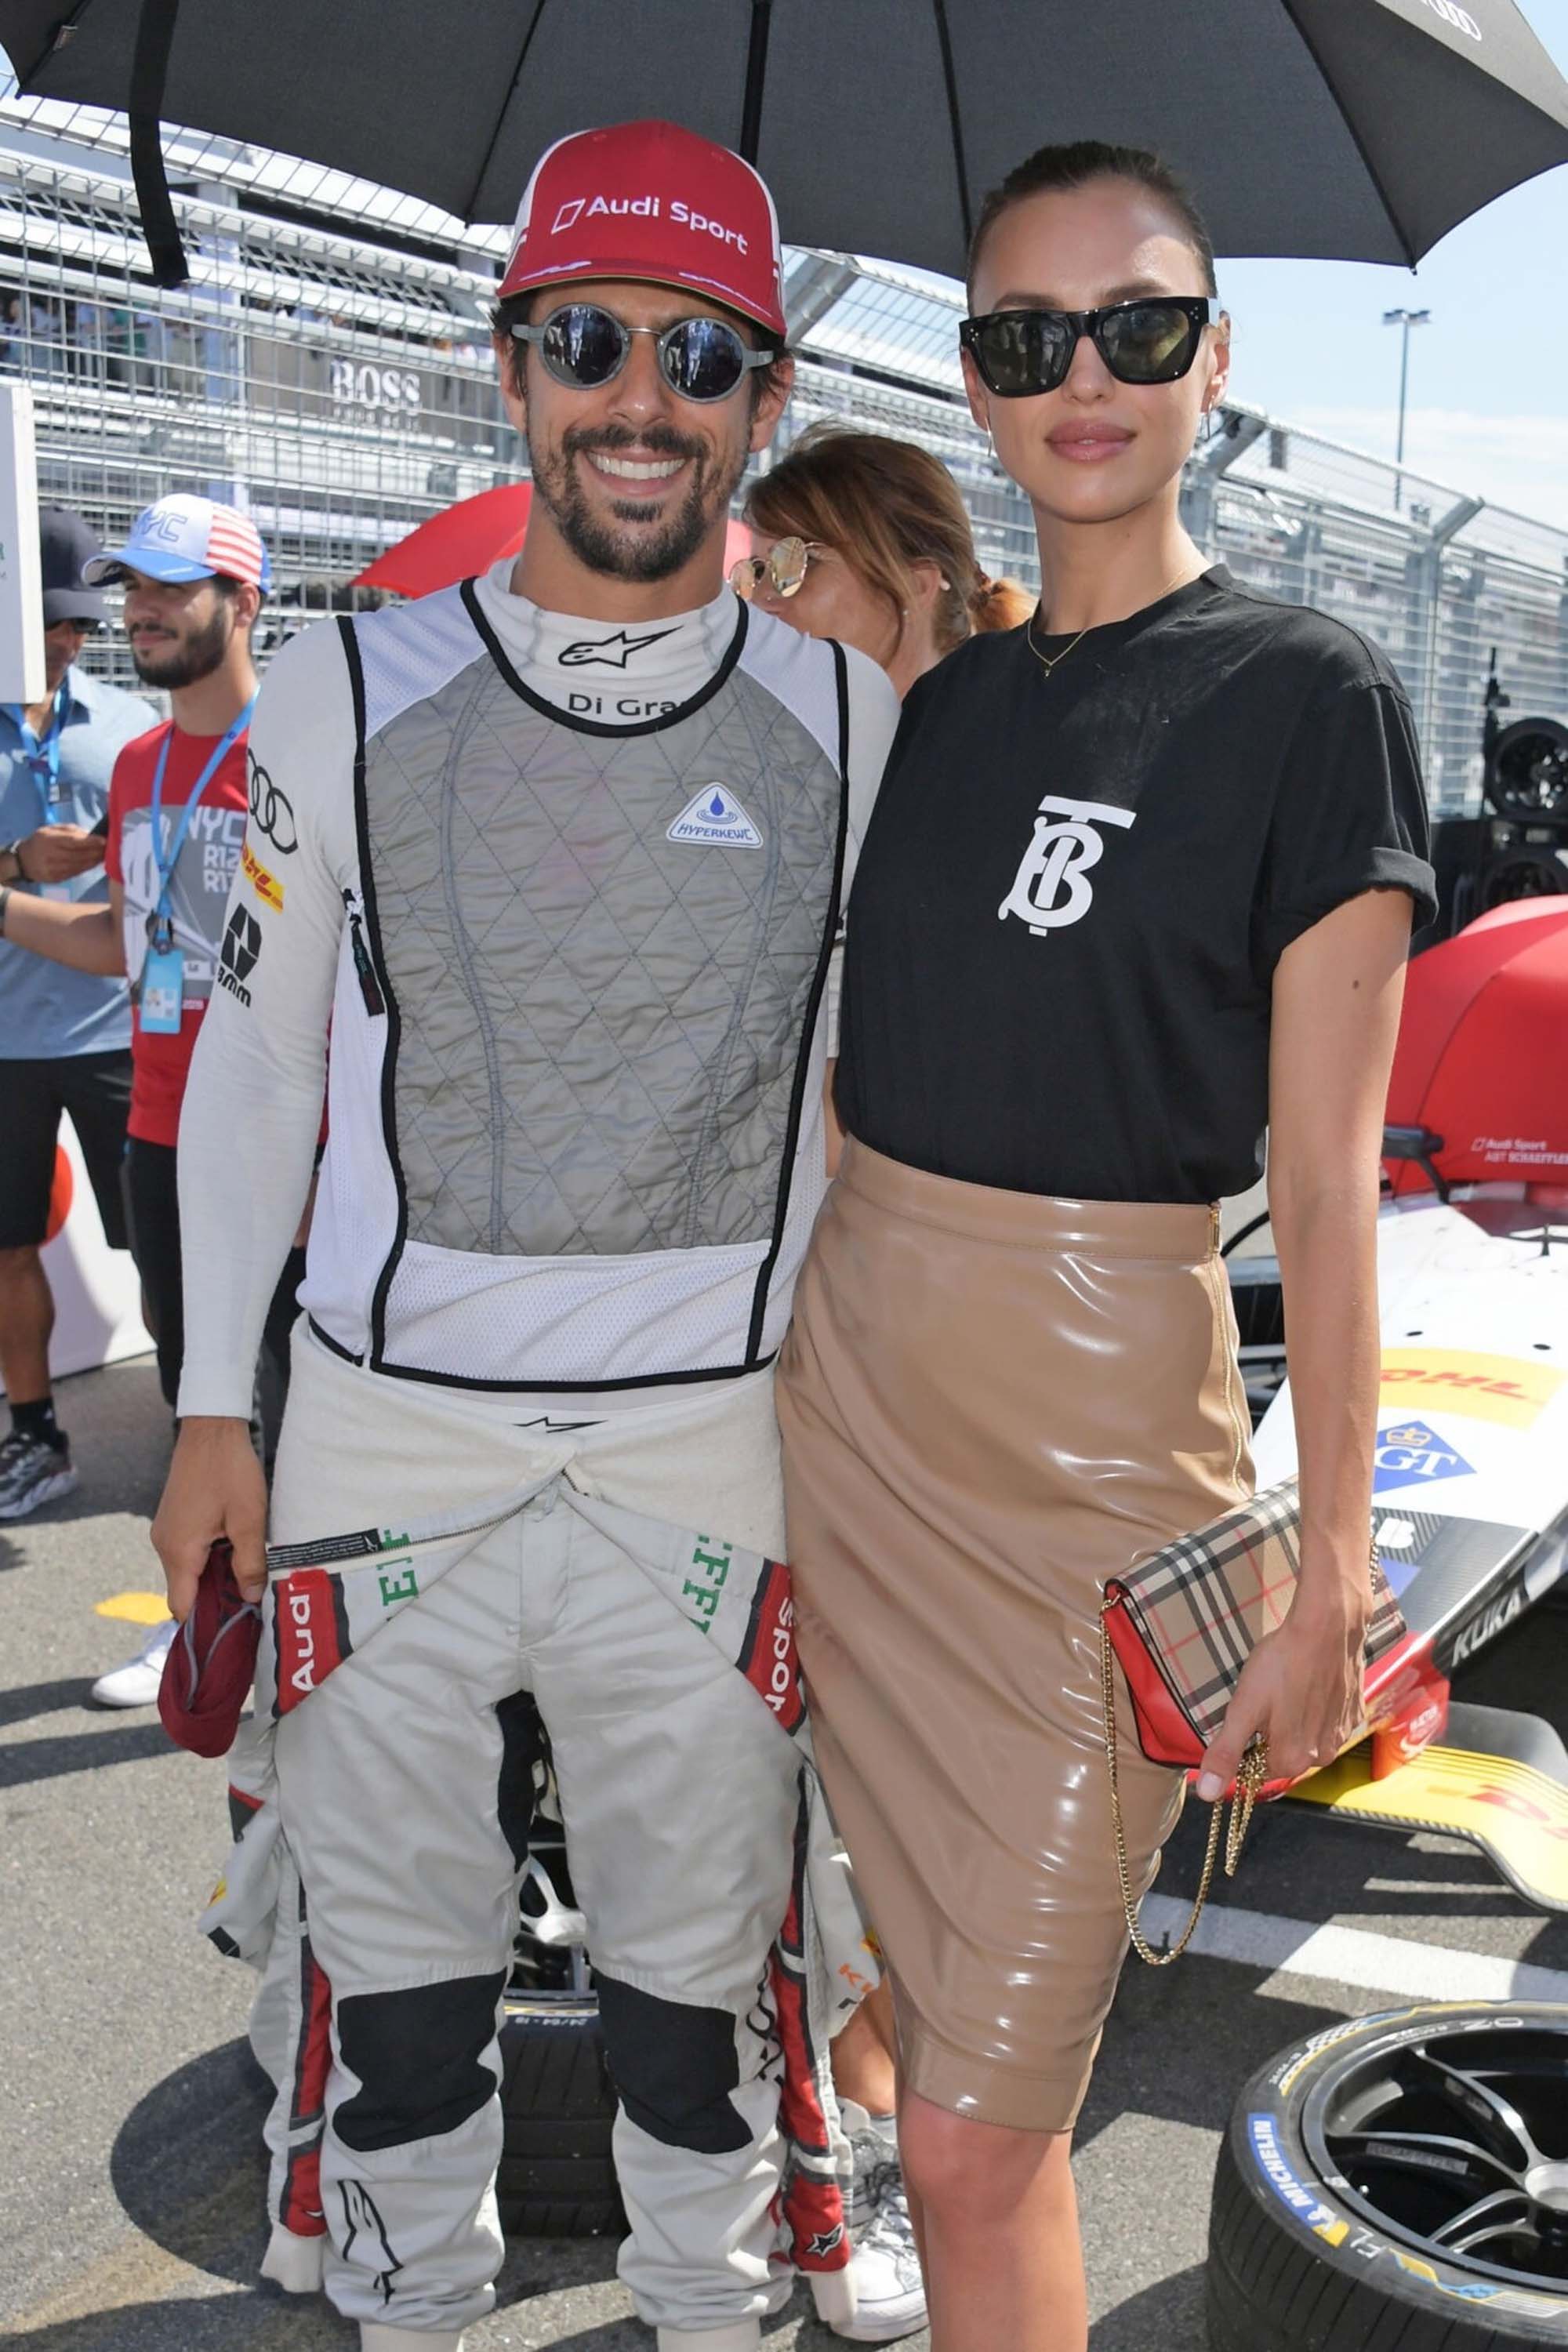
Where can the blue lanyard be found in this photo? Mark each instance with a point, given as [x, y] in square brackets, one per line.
[166, 863]
[43, 755]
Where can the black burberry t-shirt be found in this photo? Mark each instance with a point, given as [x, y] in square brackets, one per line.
[1074, 890]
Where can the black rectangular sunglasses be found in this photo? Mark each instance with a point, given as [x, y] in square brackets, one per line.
[1020, 353]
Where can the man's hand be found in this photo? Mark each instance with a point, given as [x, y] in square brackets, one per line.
[214, 1488]
[58, 853]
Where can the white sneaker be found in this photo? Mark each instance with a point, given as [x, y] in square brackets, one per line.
[135, 1684]
[32, 1473]
[890, 2293]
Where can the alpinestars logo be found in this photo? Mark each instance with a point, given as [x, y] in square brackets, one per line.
[241, 946]
[1051, 888]
[614, 652]
[714, 816]
[362, 2218]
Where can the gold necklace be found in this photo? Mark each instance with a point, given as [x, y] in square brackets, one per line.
[1054, 661]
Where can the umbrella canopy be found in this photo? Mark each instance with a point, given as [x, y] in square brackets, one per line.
[454, 544]
[468, 537]
[1482, 1058]
[1360, 129]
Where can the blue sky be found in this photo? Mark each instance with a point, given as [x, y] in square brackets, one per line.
[1488, 377]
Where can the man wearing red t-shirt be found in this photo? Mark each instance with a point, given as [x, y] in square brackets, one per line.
[194, 573]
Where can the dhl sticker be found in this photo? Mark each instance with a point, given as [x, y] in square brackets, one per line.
[1520, 1813]
[266, 886]
[1484, 1387]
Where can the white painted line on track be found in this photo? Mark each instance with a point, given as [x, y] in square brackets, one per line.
[1352, 1956]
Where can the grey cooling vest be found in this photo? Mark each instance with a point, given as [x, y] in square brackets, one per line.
[599, 1033]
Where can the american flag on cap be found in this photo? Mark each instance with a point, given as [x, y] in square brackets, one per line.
[186, 538]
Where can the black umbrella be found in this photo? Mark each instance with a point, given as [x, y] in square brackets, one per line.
[1360, 129]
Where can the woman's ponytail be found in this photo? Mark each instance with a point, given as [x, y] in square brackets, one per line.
[998, 603]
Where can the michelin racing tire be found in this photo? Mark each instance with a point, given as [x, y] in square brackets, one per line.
[557, 2176]
[1353, 2151]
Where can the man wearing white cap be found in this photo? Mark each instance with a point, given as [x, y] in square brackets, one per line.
[560, 855]
[194, 574]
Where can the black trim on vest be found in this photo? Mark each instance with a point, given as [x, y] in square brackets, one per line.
[336, 1346]
[497, 653]
[394, 1018]
[390, 1371]
[808, 1029]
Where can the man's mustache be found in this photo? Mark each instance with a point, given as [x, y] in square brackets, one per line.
[610, 440]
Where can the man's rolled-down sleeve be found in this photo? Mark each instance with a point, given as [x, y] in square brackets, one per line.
[252, 1110]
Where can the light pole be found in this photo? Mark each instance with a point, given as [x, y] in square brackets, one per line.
[1405, 319]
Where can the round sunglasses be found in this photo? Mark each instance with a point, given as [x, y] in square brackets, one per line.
[1020, 353]
[585, 346]
[785, 565]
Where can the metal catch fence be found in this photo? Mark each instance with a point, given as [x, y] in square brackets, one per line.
[329, 368]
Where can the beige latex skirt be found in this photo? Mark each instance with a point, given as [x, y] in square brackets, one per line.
[991, 1401]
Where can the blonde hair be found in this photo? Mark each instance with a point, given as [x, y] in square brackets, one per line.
[885, 506]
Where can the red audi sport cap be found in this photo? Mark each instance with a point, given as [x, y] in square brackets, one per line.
[652, 202]
[210, 1667]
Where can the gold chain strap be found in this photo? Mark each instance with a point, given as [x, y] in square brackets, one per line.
[1249, 1780]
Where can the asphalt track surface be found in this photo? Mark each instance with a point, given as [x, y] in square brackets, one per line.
[131, 2193]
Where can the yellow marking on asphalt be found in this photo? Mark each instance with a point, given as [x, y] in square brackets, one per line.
[134, 1608]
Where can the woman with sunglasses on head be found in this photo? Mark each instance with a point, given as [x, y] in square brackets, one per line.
[1139, 883]
[864, 539]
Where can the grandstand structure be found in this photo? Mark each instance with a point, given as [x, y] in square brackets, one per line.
[328, 367]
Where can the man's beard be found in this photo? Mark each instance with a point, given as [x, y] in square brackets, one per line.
[185, 664]
[649, 547]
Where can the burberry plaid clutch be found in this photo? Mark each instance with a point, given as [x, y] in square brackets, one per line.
[1184, 1623]
[1181, 1625]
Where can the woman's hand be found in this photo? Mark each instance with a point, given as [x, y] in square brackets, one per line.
[1301, 1687]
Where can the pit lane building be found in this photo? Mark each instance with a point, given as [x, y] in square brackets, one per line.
[328, 367]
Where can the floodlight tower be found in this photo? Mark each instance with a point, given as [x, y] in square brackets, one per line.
[1405, 319]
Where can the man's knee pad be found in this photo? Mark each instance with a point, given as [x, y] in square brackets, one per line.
[418, 2056]
[674, 2068]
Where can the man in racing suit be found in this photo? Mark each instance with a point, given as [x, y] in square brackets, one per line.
[560, 857]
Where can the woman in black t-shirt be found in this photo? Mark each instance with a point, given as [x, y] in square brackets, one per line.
[1139, 883]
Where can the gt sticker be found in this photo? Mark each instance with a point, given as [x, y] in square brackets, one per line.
[1263, 2133]
[1483, 1388]
[1410, 1453]
[266, 886]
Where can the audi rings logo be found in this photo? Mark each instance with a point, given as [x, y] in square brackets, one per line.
[272, 813]
[1460, 18]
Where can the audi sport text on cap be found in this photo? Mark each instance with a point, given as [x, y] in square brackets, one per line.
[652, 202]
[187, 538]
